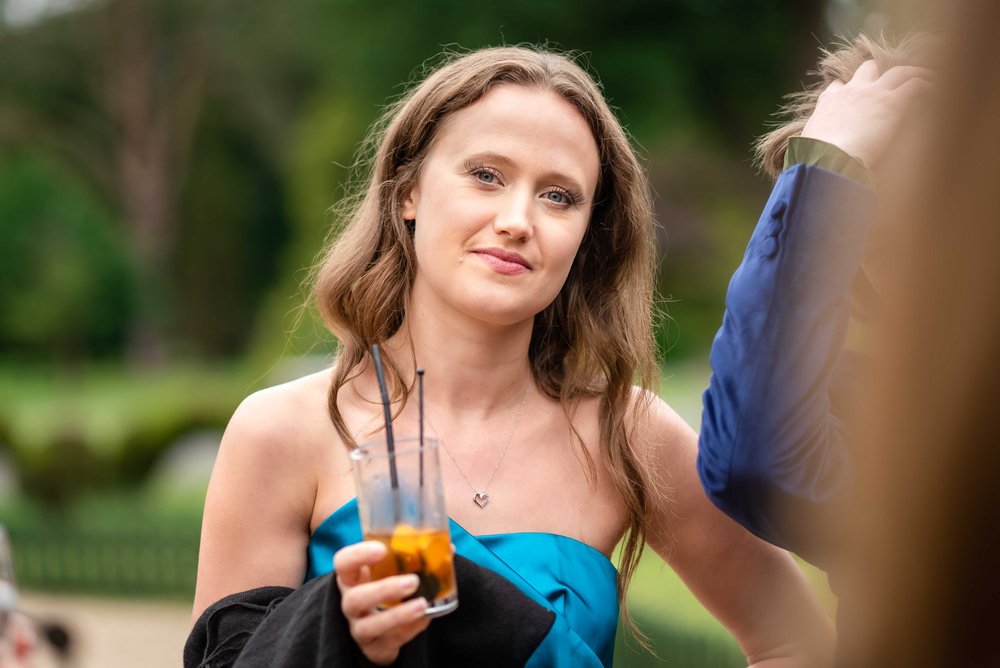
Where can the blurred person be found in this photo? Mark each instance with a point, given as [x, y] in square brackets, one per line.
[503, 242]
[924, 575]
[18, 635]
[18, 641]
[791, 362]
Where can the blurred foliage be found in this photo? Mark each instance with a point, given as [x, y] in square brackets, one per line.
[66, 285]
[225, 255]
[70, 436]
[207, 140]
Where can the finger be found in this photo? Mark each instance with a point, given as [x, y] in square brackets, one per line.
[867, 73]
[359, 577]
[381, 654]
[836, 84]
[407, 632]
[900, 74]
[347, 562]
[369, 629]
[360, 600]
[914, 89]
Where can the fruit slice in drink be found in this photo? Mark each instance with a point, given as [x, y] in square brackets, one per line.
[425, 552]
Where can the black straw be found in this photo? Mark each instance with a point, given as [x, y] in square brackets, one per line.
[387, 411]
[420, 404]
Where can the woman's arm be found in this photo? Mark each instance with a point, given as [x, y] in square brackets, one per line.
[255, 529]
[754, 589]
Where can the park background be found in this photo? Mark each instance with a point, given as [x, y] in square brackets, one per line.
[166, 170]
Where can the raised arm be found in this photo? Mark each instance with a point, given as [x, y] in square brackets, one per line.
[774, 452]
[753, 588]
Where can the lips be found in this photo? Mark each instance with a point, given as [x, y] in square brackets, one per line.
[503, 261]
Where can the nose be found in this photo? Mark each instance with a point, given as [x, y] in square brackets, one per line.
[514, 216]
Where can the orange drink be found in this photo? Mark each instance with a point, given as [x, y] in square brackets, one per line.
[427, 553]
[401, 505]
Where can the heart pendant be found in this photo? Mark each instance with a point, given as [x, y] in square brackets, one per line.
[481, 499]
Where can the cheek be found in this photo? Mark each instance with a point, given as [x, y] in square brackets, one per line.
[563, 251]
[571, 240]
[445, 225]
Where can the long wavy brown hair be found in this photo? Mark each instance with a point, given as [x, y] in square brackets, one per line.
[594, 340]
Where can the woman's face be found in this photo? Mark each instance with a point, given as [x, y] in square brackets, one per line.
[501, 204]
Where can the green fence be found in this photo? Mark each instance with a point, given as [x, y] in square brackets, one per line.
[158, 562]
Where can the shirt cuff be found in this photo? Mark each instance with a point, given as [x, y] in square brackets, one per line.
[808, 151]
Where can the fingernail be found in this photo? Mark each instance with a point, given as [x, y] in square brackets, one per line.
[419, 604]
[375, 551]
[410, 582]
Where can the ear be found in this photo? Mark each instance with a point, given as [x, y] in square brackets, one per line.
[409, 208]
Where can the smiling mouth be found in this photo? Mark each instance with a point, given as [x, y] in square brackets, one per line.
[503, 262]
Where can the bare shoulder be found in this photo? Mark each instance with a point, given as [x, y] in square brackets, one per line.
[283, 419]
[658, 428]
[657, 433]
[261, 496]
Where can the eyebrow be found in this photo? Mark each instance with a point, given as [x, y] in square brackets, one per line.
[568, 181]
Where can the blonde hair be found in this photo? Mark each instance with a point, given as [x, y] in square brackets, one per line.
[594, 340]
[836, 64]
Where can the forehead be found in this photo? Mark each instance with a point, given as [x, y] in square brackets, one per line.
[527, 125]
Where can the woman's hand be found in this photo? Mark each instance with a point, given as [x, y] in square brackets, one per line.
[862, 116]
[379, 634]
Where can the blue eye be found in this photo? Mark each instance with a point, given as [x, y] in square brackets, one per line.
[556, 197]
[486, 177]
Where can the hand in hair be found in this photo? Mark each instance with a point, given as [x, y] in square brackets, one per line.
[379, 634]
[862, 116]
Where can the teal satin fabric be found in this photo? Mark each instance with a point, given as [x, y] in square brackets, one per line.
[571, 578]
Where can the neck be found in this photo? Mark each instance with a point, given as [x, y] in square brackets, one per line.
[471, 368]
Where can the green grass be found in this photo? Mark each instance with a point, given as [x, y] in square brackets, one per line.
[681, 386]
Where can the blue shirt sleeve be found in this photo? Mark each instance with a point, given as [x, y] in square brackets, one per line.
[773, 449]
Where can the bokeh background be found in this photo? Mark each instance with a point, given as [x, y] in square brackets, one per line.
[166, 170]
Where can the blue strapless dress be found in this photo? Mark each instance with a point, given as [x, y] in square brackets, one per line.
[570, 578]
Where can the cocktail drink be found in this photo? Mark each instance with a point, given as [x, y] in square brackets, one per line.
[427, 553]
[401, 505]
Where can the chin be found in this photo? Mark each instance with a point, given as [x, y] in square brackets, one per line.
[501, 317]
[501, 312]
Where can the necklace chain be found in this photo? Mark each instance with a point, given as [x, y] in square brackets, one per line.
[482, 498]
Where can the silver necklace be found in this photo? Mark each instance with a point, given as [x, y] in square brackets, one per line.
[482, 498]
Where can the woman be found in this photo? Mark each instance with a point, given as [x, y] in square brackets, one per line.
[504, 244]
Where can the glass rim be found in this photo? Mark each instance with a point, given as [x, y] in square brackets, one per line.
[377, 449]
